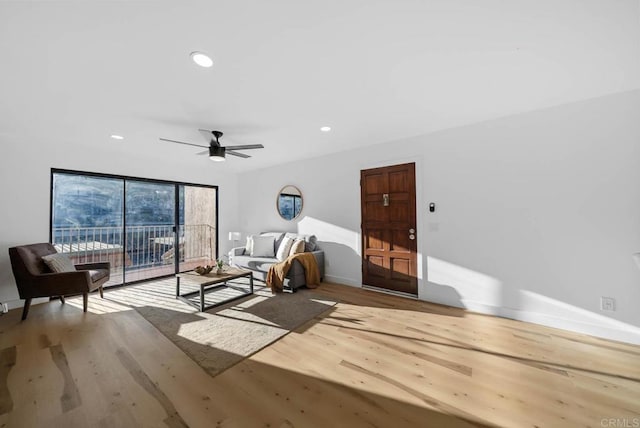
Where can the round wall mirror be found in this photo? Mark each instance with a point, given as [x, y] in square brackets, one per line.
[289, 202]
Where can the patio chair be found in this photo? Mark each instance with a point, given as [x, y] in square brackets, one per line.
[35, 279]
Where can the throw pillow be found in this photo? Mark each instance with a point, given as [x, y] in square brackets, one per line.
[284, 249]
[297, 247]
[310, 243]
[249, 245]
[263, 246]
[277, 236]
[59, 262]
[310, 240]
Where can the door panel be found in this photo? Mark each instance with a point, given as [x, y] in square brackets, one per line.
[400, 241]
[398, 182]
[149, 221]
[87, 220]
[401, 269]
[398, 211]
[389, 249]
[374, 184]
[376, 267]
[375, 240]
[375, 211]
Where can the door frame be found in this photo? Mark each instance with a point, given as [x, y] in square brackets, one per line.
[421, 208]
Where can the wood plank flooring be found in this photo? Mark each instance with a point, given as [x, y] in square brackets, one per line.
[374, 360]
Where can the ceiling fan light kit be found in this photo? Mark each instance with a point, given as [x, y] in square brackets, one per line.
[216, 154]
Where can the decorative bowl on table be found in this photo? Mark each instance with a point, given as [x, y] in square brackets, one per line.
[203, 270]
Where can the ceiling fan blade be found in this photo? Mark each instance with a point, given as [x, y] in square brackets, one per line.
[181, 142]
[205, 152]
[245, 147]
[206, 133]
[240, 155]
[212, 136]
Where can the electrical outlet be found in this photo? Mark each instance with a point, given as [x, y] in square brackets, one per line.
[607, 304]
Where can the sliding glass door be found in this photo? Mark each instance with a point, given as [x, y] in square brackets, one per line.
[145, 228]
[150, 228]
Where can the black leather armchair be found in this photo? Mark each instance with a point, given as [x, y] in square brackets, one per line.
[35, 279]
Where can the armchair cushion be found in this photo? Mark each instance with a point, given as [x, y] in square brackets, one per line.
[59, 262]
[97, 275]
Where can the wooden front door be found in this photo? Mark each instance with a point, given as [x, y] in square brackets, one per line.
[389, 238]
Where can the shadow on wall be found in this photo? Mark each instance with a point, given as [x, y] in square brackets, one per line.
[454, 285]
[341, 249]
[446, 295]
[339, 262]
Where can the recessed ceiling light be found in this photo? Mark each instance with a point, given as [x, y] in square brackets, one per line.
[325, 129]
[117, 137]
[202, 59]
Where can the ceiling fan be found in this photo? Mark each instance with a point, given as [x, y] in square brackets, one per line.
[216, 151]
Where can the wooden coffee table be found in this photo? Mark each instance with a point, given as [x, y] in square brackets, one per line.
[210, 282]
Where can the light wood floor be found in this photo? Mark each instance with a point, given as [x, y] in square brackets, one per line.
[372, 360]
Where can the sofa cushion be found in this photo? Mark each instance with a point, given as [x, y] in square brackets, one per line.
[263, 246]
[261, 264]
[59, 262]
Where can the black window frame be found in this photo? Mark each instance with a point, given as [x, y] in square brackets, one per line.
[176, 185]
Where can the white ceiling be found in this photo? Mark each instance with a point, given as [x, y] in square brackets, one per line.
[373, 70]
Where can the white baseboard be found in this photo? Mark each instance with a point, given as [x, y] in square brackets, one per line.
[626, 333]
[19, 304]
[342, 280]
[622, 332]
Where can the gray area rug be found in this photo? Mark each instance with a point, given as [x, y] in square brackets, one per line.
[222, 336]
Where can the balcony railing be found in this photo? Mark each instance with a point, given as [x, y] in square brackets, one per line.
[146, 248]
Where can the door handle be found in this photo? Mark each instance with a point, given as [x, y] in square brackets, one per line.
[412, 237]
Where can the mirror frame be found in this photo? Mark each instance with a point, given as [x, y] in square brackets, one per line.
[296, 215]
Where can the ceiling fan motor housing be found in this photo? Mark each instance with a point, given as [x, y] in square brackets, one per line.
[216, 153]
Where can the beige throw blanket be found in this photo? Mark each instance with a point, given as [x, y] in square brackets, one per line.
[277, 272]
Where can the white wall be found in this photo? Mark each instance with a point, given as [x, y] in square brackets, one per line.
[25, 168]
[536, 218]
